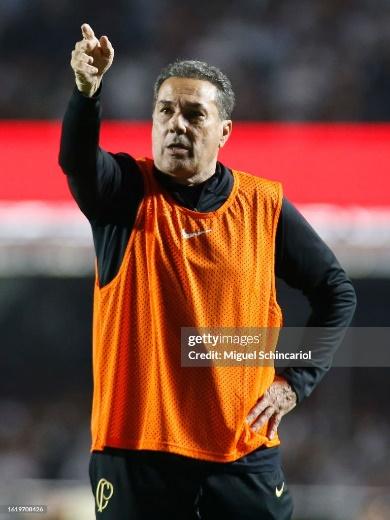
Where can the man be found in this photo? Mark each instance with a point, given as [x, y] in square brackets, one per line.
[183, 241]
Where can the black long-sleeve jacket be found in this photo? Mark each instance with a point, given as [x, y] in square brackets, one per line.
[109, 188]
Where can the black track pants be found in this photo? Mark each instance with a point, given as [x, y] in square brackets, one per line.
[146, 485]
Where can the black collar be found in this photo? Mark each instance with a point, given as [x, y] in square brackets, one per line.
[205, 196]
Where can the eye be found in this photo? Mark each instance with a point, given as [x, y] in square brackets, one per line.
[165, 110]
[194, 114]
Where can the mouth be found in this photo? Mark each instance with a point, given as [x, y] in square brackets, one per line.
[178, 148]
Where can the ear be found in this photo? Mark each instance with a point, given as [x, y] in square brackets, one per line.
[226, 131]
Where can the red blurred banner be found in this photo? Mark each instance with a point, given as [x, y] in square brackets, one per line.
[343, 164]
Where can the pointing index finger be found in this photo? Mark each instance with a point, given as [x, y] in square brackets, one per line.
[87, 32]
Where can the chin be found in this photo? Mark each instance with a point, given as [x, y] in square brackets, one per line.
[179, 169]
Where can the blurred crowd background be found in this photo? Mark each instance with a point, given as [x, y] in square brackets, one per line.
[289, 60]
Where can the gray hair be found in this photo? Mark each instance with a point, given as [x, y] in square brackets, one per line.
[201, 70]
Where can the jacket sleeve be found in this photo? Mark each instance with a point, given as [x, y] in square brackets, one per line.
[103, 184]
[306, 263]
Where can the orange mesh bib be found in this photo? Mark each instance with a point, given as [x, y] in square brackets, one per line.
[172, 276]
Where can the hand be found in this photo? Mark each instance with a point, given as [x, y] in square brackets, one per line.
[91, 58]
[278, 400]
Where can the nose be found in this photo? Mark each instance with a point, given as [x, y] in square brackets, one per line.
[177, 123]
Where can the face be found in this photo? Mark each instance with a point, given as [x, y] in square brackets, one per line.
[187, 130]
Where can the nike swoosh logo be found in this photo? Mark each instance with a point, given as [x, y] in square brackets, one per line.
[279, 492]
[184, 233]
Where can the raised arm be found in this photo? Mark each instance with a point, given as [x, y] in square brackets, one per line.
[101, 183]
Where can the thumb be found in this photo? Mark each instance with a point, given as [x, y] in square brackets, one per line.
[87, 32]
[106, 46]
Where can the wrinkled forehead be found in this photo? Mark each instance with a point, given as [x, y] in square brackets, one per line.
[194, 91]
